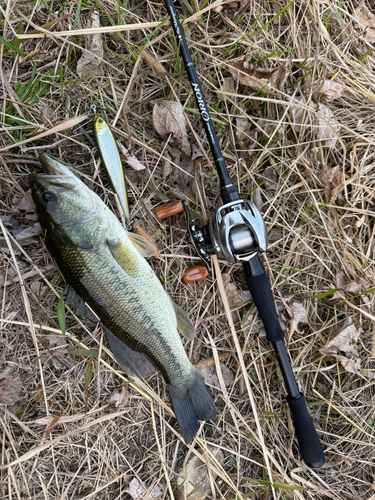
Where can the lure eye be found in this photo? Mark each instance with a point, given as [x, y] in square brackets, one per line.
[50, 197]
[100, 120]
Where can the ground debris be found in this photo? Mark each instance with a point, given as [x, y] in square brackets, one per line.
[258, 79]
[10, 385]
[136, 490]
[300, 315]
[366, 19]
[195, 477]
[329, 91]
[119, 397]
[168, 118]
[130, 159]
[210, 377]
[90, 64]
[344, 342]
[57, 354]
[332, 182]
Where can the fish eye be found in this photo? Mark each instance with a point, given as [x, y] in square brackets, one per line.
[100, 120]
[49, 197]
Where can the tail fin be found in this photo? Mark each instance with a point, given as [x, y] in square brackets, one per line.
[190, 404]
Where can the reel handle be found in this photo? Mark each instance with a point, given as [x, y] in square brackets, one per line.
[192, 274]
[169, 209]
[195, 273]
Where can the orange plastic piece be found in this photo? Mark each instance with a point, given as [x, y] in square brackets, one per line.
[172, 208]
[195, 273]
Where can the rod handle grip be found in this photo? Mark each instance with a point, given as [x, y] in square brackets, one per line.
[168, 209]
[261, 294]
[307, 437]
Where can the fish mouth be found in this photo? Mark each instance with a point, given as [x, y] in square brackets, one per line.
[54, 174]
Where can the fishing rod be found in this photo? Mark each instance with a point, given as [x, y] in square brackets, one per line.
[238, 234]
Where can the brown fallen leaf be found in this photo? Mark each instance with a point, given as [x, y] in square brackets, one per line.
[194, 479]
[10, 386]
[366, 19]
[332, 182]
[136, 490]
[168, 118]
[258, 79]
[119, 397]
[242, 127]
[329, 91]
[210, 377]
[57, 354]
[183, 179]
[206, 362]
[90, 64]
[346, 284]
[269, 177]
[300, 315]
[321, 124]
[344, 342]
[130, 159]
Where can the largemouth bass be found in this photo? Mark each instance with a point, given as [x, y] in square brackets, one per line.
[105, 268]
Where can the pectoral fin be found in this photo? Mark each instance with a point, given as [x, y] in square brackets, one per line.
[125, 257]
[131, 361]
[184, 324]
[143, 246]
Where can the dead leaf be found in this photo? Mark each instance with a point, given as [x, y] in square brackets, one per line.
[153, 62]
[344, 342]
[243, 126]
[130, 159]
[183, 179]
[269, 177]
[323, 128]
[10, 386]
[208, 373]
[366, 19]
[194, 478]
[332, 182]
[119, 397]
[25, 205]
[168, 118]
[300, 315]
[57, 354]
[258, 79]
[206, 362]
[327, 130]
[227, 87]
[346, 284]
[329, 91]
[136, 490]
[90, 64]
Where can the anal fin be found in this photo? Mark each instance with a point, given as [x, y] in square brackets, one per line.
[78, 305]
[131, 361]
[184, 324]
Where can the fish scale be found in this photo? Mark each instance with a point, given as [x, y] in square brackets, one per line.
[120, 314]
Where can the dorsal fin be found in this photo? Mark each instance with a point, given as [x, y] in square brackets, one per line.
[131, 361]
[143, 246]
[125, 257]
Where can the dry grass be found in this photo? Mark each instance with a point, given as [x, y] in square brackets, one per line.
[320, 225]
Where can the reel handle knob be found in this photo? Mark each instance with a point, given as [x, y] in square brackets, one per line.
[195, 273]
[169, 209]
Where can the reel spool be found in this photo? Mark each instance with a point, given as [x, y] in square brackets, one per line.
[236, 233]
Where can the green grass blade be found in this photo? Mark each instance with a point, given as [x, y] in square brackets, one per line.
[13, 47]
[61, 314]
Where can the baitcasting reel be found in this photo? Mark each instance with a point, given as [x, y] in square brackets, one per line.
[236, 233]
